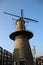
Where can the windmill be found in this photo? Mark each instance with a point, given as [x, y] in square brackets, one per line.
[22, 50]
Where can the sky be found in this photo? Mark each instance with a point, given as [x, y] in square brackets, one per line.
[31, 9]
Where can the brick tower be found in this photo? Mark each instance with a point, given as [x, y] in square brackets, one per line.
[22, 50]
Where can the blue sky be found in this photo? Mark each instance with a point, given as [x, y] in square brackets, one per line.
[32, 9]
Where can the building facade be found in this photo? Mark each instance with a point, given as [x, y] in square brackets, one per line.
[39, 60]
[6, 58]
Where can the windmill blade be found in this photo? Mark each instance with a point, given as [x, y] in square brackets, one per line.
[11, 14]
[21, 12]
[30, 19]
[21, 16]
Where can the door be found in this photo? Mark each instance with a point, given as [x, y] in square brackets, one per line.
[22, 62]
